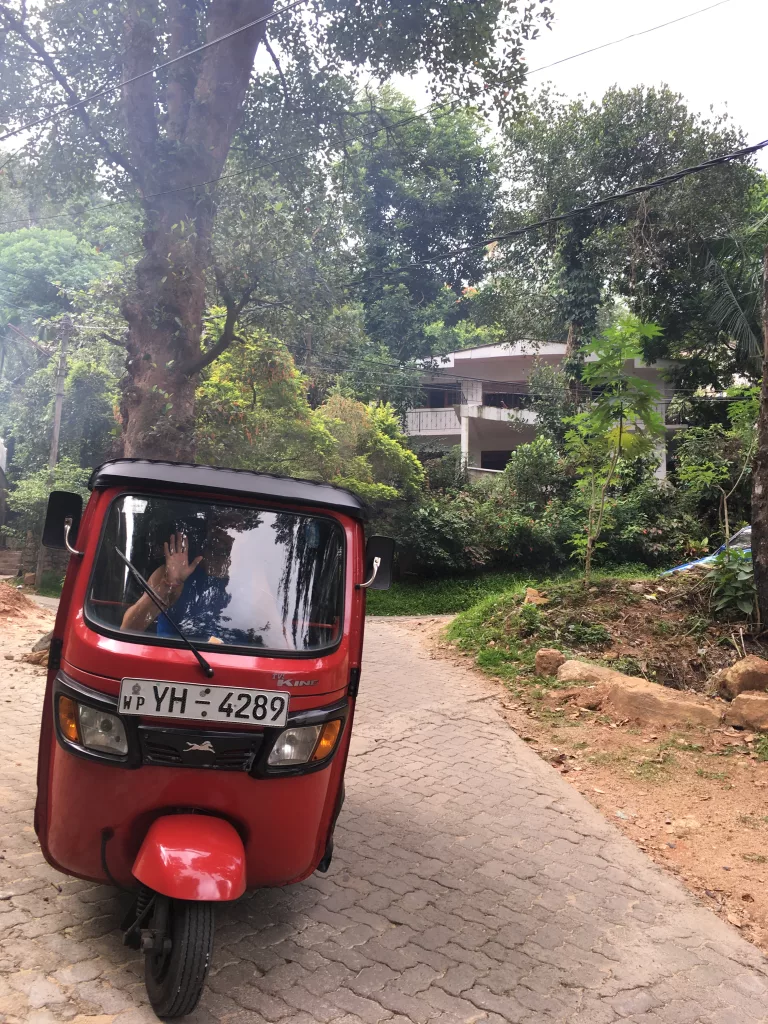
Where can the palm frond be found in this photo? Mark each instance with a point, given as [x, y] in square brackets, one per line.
[732, 312]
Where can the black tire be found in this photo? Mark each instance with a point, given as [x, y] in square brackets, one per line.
[175, 980]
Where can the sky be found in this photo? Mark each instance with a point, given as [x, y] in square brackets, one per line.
[715, 59]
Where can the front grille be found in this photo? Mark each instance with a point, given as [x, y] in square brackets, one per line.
[187, 748]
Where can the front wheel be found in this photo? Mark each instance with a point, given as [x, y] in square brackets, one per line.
[177, 960]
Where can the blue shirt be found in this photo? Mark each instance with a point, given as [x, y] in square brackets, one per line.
[199, 611]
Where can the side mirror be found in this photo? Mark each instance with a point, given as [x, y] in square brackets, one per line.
[379, 560]
[62, 505]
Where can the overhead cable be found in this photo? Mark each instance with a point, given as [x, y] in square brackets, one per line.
[632, 35]
[577, 211]
[109, 89]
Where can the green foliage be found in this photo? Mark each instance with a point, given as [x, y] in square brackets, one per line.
[561, 154]
[41, 268]
[253, 413]
[714, 464]
[552, 400]
[732, 583]
[371, 455]
[28, 501]
[498, 629]
[621, 421]
[88, 414]
[536, 473]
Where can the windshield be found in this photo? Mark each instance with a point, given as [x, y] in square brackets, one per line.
[228, 574]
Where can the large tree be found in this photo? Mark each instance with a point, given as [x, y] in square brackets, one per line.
[651, 251]
[162, 137]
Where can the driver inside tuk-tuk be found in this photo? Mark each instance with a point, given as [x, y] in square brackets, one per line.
[197, 592]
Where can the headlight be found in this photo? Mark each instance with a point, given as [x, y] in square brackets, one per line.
[91, 728]
[304, 743]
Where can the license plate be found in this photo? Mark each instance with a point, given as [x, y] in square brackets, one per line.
[156, 698]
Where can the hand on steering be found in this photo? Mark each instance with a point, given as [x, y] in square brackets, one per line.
[178, 568]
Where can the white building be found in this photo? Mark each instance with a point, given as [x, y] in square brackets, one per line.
[477, 399]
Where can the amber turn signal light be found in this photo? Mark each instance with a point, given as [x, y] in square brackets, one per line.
[327, 741]
[68, 719]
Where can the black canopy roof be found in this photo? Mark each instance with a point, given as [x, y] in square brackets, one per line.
[226, 481]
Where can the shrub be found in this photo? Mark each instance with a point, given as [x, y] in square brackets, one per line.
[733, 585]
[536, 473]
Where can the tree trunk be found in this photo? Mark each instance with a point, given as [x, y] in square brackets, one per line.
[760, 474]
[165, 312]
[165, 316]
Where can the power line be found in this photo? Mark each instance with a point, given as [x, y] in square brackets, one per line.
[632, 35]
[578, 211]
[108, 90]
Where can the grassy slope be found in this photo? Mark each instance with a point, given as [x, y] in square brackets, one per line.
[483, 630]
[447, 597]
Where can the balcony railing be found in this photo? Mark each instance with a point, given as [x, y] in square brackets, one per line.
[445, 421]
[432, 421]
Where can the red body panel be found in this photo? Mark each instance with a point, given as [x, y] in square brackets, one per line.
[192, 857]
[284, 822]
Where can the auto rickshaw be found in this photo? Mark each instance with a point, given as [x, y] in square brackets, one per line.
[201, 689]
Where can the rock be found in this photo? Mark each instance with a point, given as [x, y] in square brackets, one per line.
[583, 672]
[44, 642]
[29, 579]
[37, 658]
[749, 711]
[637, 588]
[750, 673]
[638, 700]
[683, 827]
[534, 596]
[548, 661]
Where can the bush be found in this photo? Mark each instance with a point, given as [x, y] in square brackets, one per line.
[649, 525]
[536, 473]
[462, 531]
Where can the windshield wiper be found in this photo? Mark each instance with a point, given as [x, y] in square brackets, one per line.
[164, 609]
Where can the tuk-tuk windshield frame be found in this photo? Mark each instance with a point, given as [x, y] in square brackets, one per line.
[241, 578]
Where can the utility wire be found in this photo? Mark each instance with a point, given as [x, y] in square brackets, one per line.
[578, 211]
[109, 89]
[632, 35]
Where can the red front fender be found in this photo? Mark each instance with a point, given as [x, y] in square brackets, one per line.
[192, 857]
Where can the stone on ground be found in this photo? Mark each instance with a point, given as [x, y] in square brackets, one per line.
[548, 661]
[750, 673]
[749, 711]
[638, 700]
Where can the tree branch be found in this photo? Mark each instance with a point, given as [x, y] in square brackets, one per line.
[234, 309]
[139, 97]
[112, 339]
[113, 156]
[222, 83]
[276, 62]
[180, 91]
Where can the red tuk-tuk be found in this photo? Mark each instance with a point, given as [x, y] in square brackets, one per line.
[201, 689]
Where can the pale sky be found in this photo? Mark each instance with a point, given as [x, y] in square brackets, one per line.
[715, 59]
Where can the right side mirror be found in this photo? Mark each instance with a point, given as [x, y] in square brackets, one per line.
[382, 548]
[62, 505]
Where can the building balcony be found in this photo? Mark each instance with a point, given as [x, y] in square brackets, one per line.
[425, 422]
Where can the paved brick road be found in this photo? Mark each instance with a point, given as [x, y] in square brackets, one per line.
[471, 883]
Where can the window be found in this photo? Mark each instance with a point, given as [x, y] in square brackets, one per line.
[230, 574]
[494, 460]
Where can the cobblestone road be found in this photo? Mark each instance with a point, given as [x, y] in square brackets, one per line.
[471, 883]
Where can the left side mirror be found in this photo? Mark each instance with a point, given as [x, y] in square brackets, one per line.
[382, 548]
[62, 505]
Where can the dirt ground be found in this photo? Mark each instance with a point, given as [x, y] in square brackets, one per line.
[696, 803]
